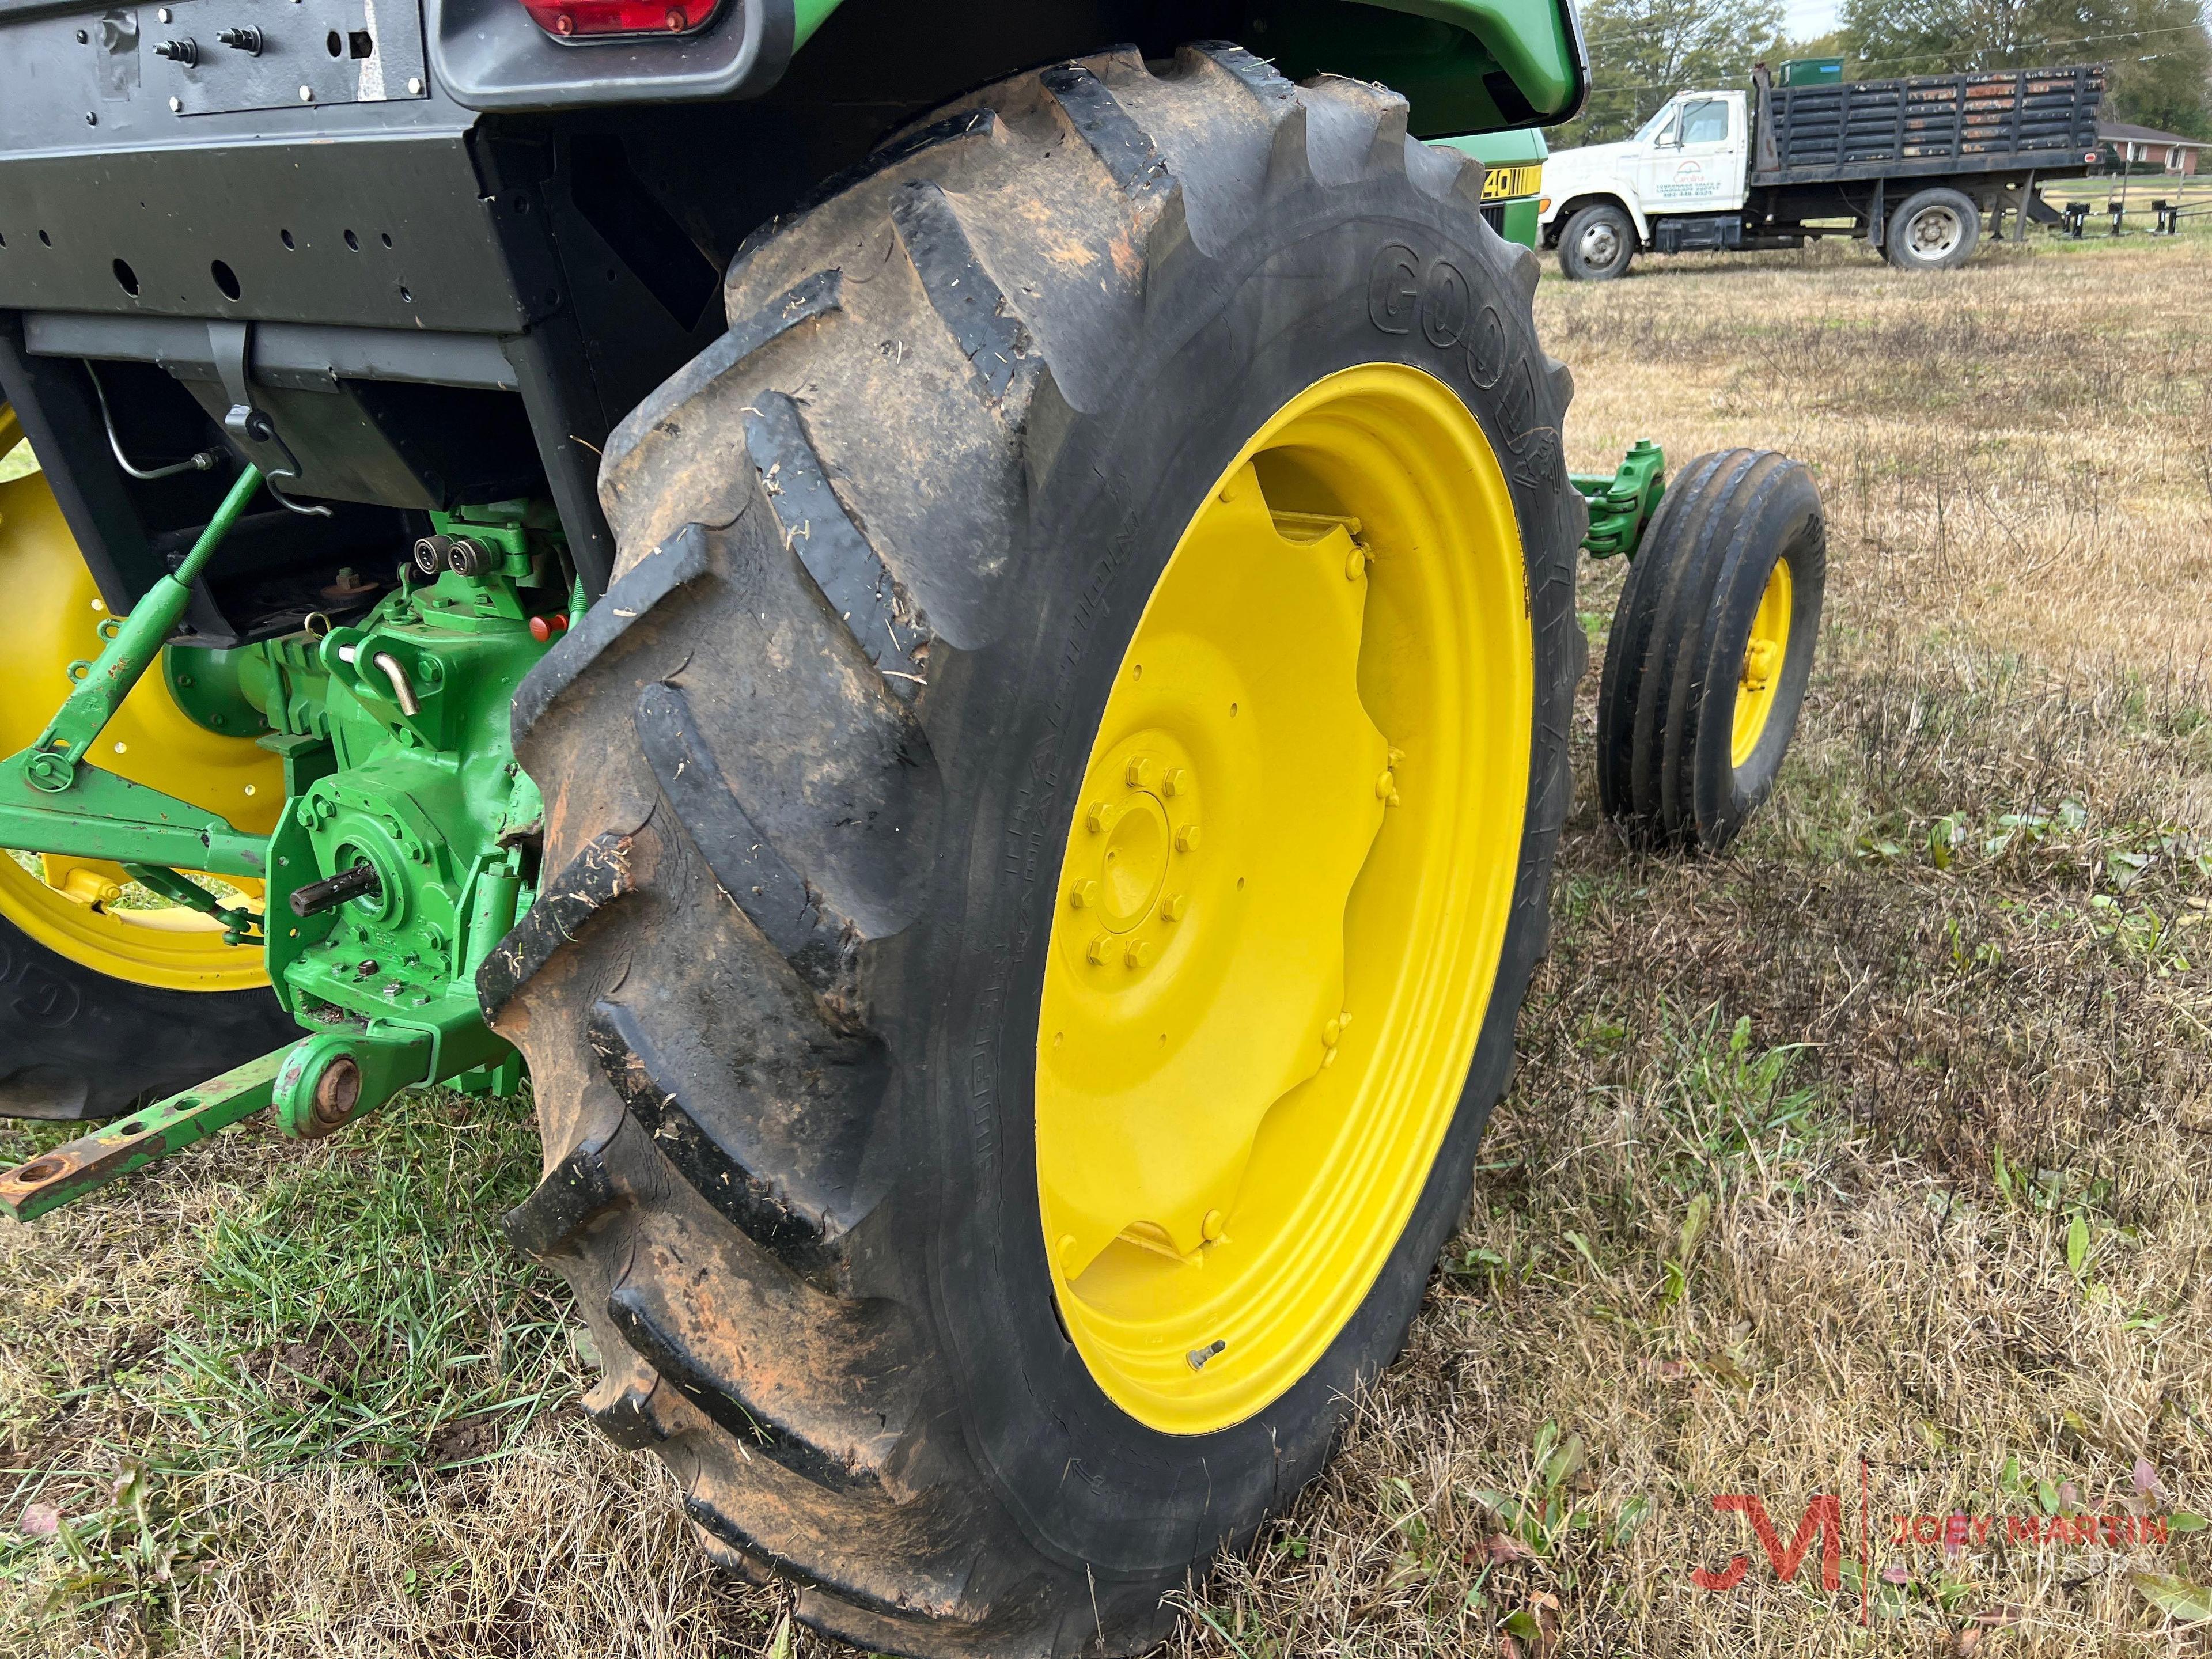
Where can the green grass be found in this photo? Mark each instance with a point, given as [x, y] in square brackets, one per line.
[358, 1306]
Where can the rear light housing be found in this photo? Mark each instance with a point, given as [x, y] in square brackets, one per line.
[599, 19]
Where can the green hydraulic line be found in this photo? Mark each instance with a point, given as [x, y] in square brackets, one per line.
[137, 640]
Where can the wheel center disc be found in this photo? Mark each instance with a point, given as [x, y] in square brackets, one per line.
[1763, 655]
[1292, 847]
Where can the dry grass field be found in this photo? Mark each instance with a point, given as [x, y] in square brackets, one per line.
[1874, 1160]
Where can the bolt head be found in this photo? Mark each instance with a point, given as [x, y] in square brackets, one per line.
[176, 106]
[1101, 817]
[1175, 906]
[1355, 566]
[1383, 786]
[1084, 895]
[1139, 955]
[1214, 1226]
[1176, 781]
[163, 14]
[1099, 948]
[1330, 1032]
[414, 86]
[307, 94]
[1187, 839]
[1138, 773]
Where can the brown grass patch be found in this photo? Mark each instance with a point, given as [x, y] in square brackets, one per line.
[1885, 1139]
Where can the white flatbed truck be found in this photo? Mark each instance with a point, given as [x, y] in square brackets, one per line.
[1916, 166]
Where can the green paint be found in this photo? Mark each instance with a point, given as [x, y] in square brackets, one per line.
[131, 649]
[105, 816]
[1621, 502]
[1438, 52]
[423, 786]
[239, 927]
[808, 15]
[54, 1178]
[432, 801]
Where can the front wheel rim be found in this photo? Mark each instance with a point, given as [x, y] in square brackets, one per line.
[1760, 676]
[1284, 898]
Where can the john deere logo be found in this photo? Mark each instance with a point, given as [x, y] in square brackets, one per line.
[1501, 184]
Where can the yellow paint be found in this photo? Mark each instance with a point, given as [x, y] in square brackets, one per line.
[1504, 184]
[1762, 665]
[54, 610]
[1283, 898]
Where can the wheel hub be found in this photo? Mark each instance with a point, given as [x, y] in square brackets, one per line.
[1763, 656]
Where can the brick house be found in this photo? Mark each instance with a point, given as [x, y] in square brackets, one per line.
[2148, 146]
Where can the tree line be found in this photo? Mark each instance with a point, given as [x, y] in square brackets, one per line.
[2158, 54]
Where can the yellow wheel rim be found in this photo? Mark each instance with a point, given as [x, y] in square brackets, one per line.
[1284, 898]
[54, 613]
[1762, 665]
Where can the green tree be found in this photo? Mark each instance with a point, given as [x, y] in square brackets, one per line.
[2156, 51]
[1643, 51]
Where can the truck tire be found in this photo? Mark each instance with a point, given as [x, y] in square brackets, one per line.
[1711, 647]
[1598, 244]
[98, 1014]
[1008, 533]
[1936, 229]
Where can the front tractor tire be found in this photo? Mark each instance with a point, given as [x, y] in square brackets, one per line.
[1047, 835]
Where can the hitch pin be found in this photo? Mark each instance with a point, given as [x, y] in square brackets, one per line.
[401, 692]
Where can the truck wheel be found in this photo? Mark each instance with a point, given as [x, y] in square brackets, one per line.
[103, 1008]
[1598, 244]
[1711, 646]
[1934, 230]
[1047, 835]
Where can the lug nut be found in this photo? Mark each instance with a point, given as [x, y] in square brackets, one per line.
[1138, 773]
[1176, 780]
[1101, 817]
[1175, 906]
[1083, 895]
[1187, 839]
[1138, 955]
[1099, 947]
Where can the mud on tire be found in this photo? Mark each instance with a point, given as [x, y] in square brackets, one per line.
[808, 766]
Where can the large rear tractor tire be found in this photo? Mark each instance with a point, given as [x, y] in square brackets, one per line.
[1047, 835]
[105, 1006]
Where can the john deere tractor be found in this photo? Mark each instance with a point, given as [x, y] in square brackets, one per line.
[967, 665]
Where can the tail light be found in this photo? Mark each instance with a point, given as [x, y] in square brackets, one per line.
[580, 20]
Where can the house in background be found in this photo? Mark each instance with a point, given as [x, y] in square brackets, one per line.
[2147, 146]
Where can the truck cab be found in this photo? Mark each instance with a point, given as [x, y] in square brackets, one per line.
[1688, 163]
